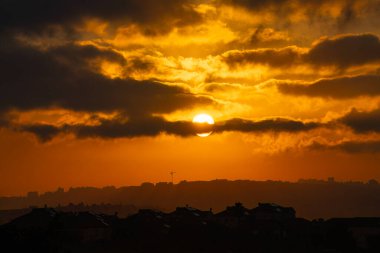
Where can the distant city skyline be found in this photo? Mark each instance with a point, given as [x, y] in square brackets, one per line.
[312, 198]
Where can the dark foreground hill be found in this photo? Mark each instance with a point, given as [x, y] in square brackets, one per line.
[265, 228]
[311, 198]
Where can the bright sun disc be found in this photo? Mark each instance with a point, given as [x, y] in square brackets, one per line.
[203, 118]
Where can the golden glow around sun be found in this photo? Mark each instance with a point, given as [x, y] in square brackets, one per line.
[203, 118]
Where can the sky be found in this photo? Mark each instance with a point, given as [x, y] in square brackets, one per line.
[96, 93]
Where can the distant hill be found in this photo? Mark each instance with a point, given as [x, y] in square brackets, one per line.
[311, 198]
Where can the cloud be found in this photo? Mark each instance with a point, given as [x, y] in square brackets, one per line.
[284, 57]
[267, 37]
[352, 147]
[4, 119]
[275, 125]
[337, 12]
[362, 122]
[80, 55]
[43, 132]
[122, 127]
[153, 16]
[255, 4]
[340, 52]
[260, 37]
[118, 127]
[345, 51]
[221, 87]
[337, 88]
[62, 77]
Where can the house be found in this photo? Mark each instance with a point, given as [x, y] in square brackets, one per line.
[233, 216]
[365, 231]
[82, 226]
[38, 218]
[189, 216]
[270, 211]
[147, 223]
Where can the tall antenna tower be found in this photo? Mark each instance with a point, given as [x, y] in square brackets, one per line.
[172, 175]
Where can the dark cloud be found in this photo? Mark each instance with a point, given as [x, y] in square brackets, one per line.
[338, 88]
[362, 122]
[43, 132]
[350, 146]
[267, 37]
[139, 65]
[120, 127]
[345, 51]
[289, 4]
[151, 126]
[261, 37]
[124, 127]
[348, 15]
[275, 125]
[80, 55]
[351, 11]
[256, 4]
[60, 77]
[340, 52]
[153, 16]
[4, 119]
[284, 57]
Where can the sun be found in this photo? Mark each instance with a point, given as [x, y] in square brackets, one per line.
[201, 119]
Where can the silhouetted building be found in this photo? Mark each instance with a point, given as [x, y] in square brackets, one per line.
[266, 228]
[365, 231]
[38, 218]
[146, 223]
[270, 211]
[189, 215]
[233, 216]
[82, 226]
[32, 195]
[331, 180]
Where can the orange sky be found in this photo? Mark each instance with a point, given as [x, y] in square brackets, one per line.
[105, 94]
